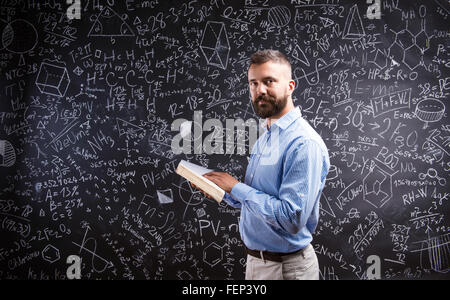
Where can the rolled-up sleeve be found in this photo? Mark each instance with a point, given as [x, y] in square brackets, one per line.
[229, 199]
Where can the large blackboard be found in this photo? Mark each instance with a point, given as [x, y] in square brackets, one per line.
[87, 107]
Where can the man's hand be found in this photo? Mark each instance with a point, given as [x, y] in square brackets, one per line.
[224, 180]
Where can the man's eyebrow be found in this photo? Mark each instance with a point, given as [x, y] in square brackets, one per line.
[269, 78]
[265, 78]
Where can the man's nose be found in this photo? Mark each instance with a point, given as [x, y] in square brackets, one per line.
[261, 89]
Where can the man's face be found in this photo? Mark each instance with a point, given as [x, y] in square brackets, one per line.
[270, 87]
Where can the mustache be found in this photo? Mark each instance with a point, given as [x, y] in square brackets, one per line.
[266, 98]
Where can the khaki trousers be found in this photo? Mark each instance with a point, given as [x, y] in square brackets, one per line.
[298, 266]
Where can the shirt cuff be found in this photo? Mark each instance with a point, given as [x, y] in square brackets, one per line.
[230, 201]
[240, 191]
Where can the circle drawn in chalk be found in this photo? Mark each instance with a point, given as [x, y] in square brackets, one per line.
[187, 191]
[19, 36]
[7, 34]
[279, 16]
[430, 110]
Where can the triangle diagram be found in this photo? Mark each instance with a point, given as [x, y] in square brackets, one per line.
[130, 130]
[326, 22]
[298, 54]
[353, 28]
[40, 125]
[21, 60]
[137, 21]
[108, 24]
[325, 206]
[165, 196]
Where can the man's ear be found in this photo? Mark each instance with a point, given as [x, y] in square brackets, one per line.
[291, 86]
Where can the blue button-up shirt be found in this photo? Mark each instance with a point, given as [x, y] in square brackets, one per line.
[279, 199]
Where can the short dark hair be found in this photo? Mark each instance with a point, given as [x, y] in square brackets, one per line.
[263, 56]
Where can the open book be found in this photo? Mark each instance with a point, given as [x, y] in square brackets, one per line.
[193, 173]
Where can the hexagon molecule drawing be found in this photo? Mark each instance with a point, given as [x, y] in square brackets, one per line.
[50, 254]
[212, 254]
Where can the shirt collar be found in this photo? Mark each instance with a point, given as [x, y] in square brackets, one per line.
[285, 120]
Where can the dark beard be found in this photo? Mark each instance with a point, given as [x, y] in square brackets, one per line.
[272, 108]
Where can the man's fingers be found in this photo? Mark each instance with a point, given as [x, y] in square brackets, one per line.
[214, 177]
[212, 174]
